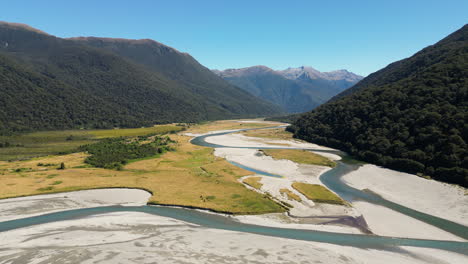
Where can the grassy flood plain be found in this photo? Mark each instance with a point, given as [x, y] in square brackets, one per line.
[226, 125]
[276, 133]
[213, 182]
[253, 182]
[318, 193]
[44, 143]
[290, 195]
[299, 156]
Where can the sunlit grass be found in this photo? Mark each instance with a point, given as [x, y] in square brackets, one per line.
[290, 194]
[189, 176]
[276, 133]
[318, 193]
[125, 132]
[226, 125]
[299, 156]
[253, 182]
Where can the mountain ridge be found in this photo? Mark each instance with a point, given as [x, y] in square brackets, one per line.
[184, 69]
[136, 93]
[295, 89]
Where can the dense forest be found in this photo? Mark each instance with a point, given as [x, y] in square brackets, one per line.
[114, 153]
[410, 116]
[183, 69]
[52, 83]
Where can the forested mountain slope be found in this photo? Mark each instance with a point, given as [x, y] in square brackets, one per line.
[411, 115]
[32, 100]
[184, 69]
[53, 83]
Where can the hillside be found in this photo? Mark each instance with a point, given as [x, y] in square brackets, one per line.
[53, 83]
[184, 69]
[410, 116]
[295, 89]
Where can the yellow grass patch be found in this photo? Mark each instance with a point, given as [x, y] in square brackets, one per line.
[276, 133]
[189, 176]
[226, 125]
[290, 194]
[318, 193]
[125, 132]
[253, 182]
[299, 156]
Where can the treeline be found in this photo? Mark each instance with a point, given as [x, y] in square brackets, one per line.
[413, 118]
[114, 153]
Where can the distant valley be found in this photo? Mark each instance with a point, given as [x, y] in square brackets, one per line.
[120, 150]
[93, 82]
[295, 89]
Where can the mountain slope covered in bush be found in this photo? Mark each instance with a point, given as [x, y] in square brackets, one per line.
[411, 115]
[53, 83]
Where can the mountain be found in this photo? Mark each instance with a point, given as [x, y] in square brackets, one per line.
[410, 116]
[184, 69]
[53, 83]
[309, 73]
[295, 89]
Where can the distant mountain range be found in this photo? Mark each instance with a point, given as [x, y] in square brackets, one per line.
[295, 89]
[410, 116]
[54, 83]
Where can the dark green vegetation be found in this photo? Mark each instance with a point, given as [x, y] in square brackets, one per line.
[52, 83]
[7, 144]
[410, 116]
[30, 145]
[114, 153]
[229, 100]
[295, 89]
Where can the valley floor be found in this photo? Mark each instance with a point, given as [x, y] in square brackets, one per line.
[448, 201]
[135, 237]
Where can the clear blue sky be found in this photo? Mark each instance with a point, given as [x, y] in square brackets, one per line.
[361, 36]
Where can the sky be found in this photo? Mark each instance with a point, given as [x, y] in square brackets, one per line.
[360, 36]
